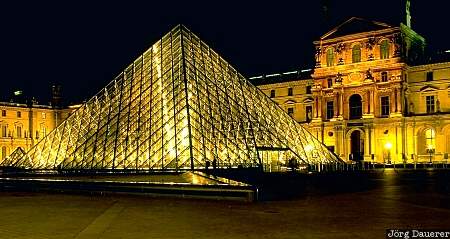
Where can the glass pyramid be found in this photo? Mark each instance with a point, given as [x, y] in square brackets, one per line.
[178, 106]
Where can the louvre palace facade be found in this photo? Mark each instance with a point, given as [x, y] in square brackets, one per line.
[24, 122]
[372, 95]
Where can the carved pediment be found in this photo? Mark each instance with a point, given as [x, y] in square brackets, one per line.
[355, 25]
[428, 88]
[308, 100]
[290, 102]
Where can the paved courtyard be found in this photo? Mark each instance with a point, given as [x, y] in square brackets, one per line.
[398, 200]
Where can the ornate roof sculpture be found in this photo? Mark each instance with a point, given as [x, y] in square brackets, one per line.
[179, 106]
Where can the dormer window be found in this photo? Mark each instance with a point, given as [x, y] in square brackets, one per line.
[429, 76]
[356, 54]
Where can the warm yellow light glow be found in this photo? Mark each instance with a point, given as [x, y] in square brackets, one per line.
[309, 148]
[430, 147]
[388, 145]
[184, 116]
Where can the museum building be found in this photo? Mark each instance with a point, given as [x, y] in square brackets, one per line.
[23, 122]
[373, 95]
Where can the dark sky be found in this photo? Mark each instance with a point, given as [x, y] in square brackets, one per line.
[84, 45]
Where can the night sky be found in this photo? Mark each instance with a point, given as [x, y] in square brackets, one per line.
[84, 45]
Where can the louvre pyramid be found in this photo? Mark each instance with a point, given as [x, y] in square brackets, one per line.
[178, 106]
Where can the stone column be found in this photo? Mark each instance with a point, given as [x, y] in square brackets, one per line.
[392, 101]
[320, 107]
[317, 107]
[336, 105]
[367, 99]
[367, 143]
[372, 102]
[339, 140]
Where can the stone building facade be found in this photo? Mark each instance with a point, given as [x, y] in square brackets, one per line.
[23, 125]
[371, 96]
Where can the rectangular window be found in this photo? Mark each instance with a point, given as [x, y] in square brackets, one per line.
[429, 76]
[384, 76]
[384, 49]
[4, 131]
[19, 132]
[4, 113]
[272, 94]
[308, 89]
[356, 54]
[430, 104]
[330, 57]
[19, 114]
[4, 152]
[290, 92]
[385, 110]
[330, 83]
[43, 115]
[291, 112]
[330, 109]
[308, 111]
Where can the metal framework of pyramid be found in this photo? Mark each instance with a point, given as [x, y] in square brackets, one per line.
[178, 106]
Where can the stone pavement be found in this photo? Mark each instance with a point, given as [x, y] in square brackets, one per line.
[362, 214]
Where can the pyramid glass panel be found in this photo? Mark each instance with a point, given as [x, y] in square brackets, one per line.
[177, 106]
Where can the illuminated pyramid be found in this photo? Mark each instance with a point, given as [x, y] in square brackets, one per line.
[178, 106]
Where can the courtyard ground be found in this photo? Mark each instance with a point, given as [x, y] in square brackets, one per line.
[395, 199]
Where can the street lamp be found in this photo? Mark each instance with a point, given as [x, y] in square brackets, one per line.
[430, 150]
[388, 147]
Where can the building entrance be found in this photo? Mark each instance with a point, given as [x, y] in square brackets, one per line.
[356, 146]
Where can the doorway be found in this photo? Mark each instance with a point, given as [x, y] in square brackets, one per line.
[356, 146]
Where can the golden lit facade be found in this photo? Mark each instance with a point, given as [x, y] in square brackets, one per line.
[23, 126]
[178, 106]
[369, 97]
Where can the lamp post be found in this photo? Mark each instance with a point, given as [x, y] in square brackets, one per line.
[388, 147]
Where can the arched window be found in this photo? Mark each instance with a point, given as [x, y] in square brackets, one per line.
[356, 54]
[430, 136]
[355, 106]
[330, 57]
[384, 49]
